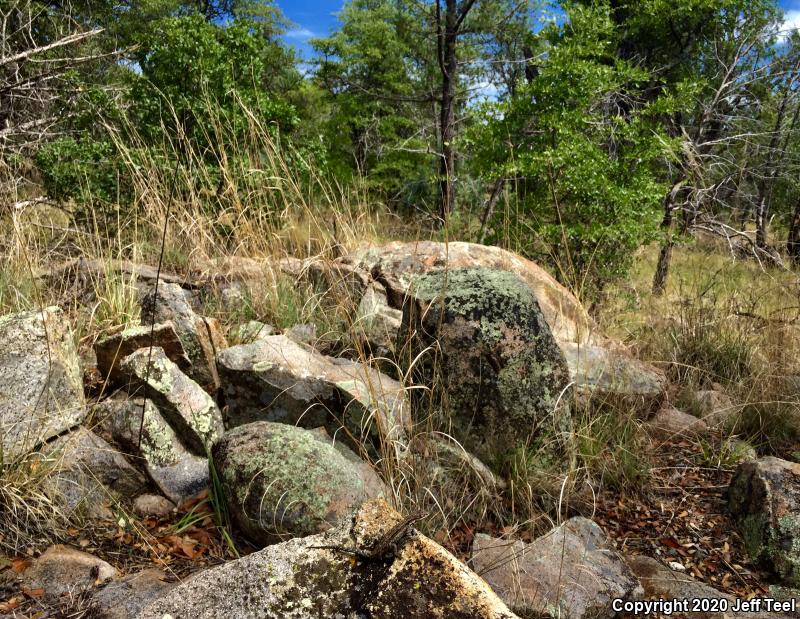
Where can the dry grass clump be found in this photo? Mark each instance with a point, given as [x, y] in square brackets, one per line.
[29, 514]
[726, 324]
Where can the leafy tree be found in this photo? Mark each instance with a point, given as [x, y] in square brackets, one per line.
[379, 125]
[581, 144]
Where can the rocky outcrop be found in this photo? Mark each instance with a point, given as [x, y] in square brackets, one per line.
[572, 572]
[764, 497]
[395, 265]
[299, 580]
[41, 385]
[282, 481]
[111, 350]
[90, 474]
[478, 336]
[277, 379]
[605, 375]
[201, 337]
[189, 409]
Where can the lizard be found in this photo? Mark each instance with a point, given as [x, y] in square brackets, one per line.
[387, 544]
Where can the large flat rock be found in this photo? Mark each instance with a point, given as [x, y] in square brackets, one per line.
[41, 383]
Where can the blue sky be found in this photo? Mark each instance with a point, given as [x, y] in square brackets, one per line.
[315, 18]
[312, 18]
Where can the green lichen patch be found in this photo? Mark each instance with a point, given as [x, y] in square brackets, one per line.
[282, 481]
[497, 368]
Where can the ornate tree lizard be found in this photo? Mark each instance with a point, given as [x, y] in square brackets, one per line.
[387, 543]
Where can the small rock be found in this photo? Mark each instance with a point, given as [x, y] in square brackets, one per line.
[62, 570]
[152, 505]
[283, 481]
[41, 384]
[573, 571]
[251, 331]
[716, 408]
[764, 497]
[660, 582]
[303, 334]
[113, 349]
[669, 423]
[232, 297]
[602, 374]
[201, 337]
[190, 410]
[90, 473]
[127, 597]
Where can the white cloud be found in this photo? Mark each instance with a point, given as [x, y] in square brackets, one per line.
[302, 34]
[791, 22]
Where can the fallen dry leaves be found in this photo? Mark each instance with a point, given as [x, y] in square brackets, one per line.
[681, 519]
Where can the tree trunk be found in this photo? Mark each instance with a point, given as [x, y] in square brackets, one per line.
[488, 210]
[449, 67]
[665, 255]
[793, 242]
[761, 221]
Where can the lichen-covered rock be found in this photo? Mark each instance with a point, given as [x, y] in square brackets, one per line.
[397, 264]
[606, 374]
[190, 410]
[177, 471]
[113, 349]
[299, 580]
[90, 474]
[764, 497]
[572, 572]
[41, 386]
[277, 379]
[201, 337]
[284, 481]
[128, 596]
[66, 572]
[479, 338]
